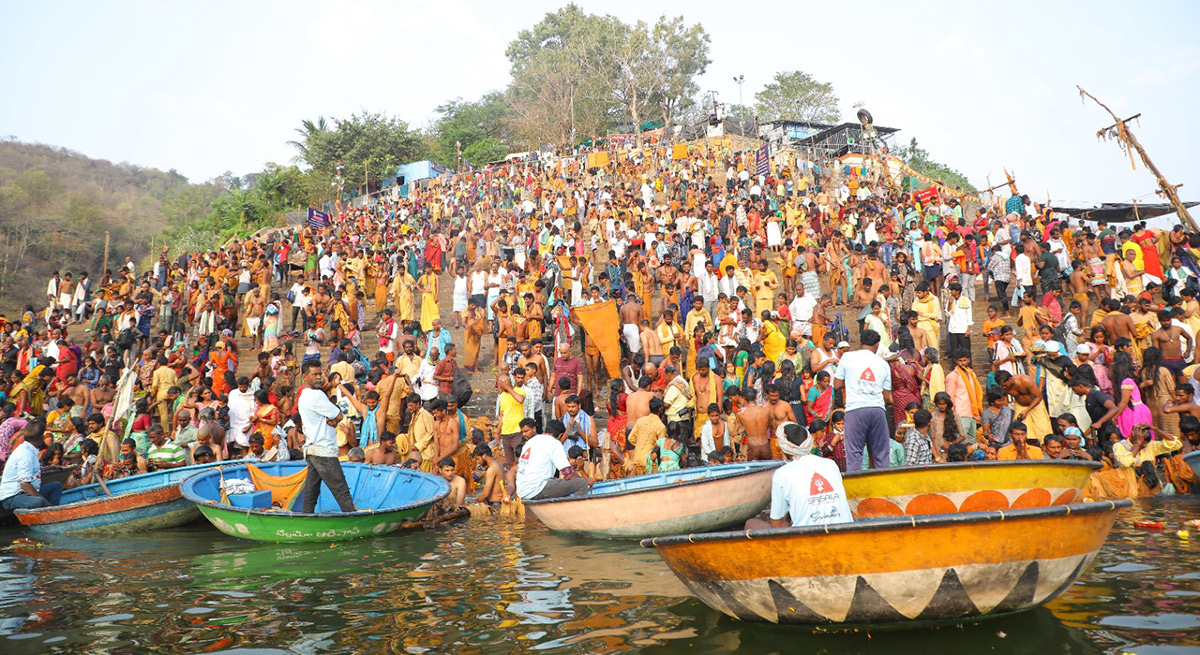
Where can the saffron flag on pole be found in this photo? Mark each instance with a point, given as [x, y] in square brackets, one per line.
[764, 159]
[317, 219]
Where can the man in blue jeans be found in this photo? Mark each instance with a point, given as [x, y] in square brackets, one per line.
[21, 485]
[867, 381]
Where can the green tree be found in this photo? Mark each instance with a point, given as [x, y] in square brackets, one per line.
[480, 128]
[682, 54]
[309, 131]
[555, 95]
[919, 160]
[797, 96]
[365, 145]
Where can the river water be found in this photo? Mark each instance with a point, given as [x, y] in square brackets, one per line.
[499, 586]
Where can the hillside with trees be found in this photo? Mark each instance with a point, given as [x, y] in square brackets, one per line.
[575, 77]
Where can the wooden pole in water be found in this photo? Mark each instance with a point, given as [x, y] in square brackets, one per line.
[104, 267]
[1120, 131]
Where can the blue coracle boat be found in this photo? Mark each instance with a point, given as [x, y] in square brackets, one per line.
[384, 498]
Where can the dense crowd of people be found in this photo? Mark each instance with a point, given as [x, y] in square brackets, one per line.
[737, 296]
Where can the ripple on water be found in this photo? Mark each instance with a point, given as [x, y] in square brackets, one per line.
[111, 618]
[1128, 567]
[1154, 621]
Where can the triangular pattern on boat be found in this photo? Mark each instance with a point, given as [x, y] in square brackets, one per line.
[1056, 575]
[950, 600]
[989, 584]
[791, 610]
[908, 592]
[1022, 593]
[870, 607]
[711, 591]
[830, 596]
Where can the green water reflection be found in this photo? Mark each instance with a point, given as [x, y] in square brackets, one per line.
[494, 586]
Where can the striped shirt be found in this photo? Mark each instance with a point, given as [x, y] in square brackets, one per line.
[169, 453]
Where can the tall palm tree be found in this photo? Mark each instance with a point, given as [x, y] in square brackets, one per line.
[308, 130]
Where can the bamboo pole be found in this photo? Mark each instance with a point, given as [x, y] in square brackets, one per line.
[105, 266]
[1127, 139]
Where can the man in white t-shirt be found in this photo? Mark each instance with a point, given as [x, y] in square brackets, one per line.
[542, 456]
[808, 490]
[867, 381]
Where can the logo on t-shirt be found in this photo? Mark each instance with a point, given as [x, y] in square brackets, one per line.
[818, 485]
[867, 375]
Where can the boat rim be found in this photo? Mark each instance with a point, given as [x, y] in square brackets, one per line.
[128, 494]
[756, 467]
[866, 525]
[968, 465]
[186, 486]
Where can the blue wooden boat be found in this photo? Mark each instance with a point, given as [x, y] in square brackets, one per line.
[385, 497]
[658, 504]
[149, 501]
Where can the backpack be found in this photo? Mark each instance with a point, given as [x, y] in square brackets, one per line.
[461, 387]
[126, 338]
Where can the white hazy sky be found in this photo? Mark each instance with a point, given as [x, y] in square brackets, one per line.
[205, 87]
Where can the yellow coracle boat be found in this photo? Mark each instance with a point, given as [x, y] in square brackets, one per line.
[966, 487]
[897, 572]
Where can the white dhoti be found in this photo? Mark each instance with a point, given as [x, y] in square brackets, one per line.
[774, 235]
[633, 337]
[253, 324]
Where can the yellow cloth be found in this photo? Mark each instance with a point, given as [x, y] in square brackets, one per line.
[429, 305]
[774, 343]
[937, 380]
[420, 431]
[1037, 422]
[284, 489]
[602, 324]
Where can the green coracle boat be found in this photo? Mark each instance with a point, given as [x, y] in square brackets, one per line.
[386, 497]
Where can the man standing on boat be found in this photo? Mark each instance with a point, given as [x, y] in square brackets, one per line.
[867, 381]
[319, 418]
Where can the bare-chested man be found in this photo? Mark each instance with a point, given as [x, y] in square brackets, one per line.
[445, 431]
[756, 422]
[1080, 282]
[631, 318]
[1027, 403]
[706, 387]
[651, 344]
[255, 305]
[492, 490]
[77, 392]
[1174, 356]
[637, 404]
[102, 395]
[779, 411]
[385, 454]
[1118, 324]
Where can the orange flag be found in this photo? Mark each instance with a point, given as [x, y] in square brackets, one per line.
[602, 324]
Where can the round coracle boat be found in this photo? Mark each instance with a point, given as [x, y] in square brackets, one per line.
[966, 487]
[895, 572]
[658, 504]
[385, 497]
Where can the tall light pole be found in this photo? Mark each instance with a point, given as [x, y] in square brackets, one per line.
[739, 79]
